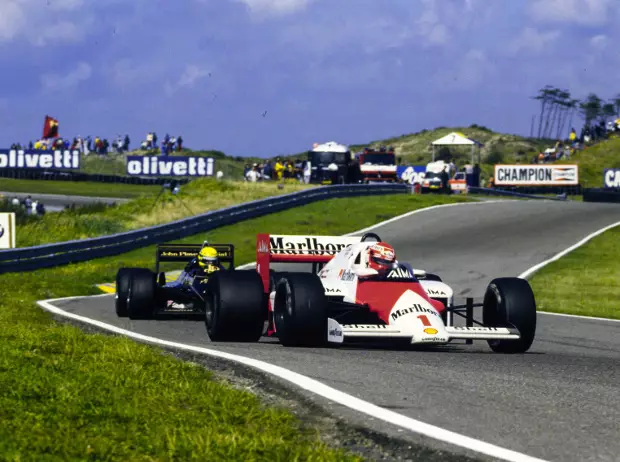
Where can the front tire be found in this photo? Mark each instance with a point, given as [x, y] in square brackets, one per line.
[300, 310]
[122, 287]
[235, 310]
[141, 294]
[510, 302]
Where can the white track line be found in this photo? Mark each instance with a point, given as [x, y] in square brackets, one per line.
[529, 272]
[316, 387]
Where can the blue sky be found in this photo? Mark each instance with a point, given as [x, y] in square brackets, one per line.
[345, 70]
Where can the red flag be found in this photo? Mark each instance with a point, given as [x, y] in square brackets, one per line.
[50, 127]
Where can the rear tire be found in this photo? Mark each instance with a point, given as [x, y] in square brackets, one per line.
[235, 310]
[300, 310]
[141, 294]
[510, 302]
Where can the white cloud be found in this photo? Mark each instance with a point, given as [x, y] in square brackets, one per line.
[12, 19]
[63, 31]
[188, 78]
[530, 40]
[584, 12]
[81, 73]
[275, 7]
[430, 27]
[41, 22]
[468, 72]
[599, 42]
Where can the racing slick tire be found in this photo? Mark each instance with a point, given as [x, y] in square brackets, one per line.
[510, 302]
[141, 294]
[234, 306]
[300, 310]
[123, 277]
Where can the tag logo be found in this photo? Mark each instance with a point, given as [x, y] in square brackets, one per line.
[399, 273]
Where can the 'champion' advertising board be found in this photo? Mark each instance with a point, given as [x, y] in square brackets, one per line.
[411, 174]
[611, 178]
[536, 175]
[169, 166]
[11, 158]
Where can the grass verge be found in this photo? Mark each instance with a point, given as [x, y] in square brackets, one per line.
[199, 196]
[67, 395]
[584, 282]
[77, 188]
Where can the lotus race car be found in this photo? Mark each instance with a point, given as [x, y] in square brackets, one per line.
[143, 294]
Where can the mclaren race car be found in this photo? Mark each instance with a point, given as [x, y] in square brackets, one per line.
[343, 299]
[144, 294]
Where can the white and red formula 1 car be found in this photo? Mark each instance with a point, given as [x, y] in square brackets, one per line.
[342, 300]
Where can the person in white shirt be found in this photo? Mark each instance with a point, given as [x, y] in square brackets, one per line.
[252, 174]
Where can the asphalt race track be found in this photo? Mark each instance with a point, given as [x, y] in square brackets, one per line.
[559, 402]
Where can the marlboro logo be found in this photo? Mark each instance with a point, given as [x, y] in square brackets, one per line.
[305, 246]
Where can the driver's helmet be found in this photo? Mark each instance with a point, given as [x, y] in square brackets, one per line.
[208, 259]
[381, 257]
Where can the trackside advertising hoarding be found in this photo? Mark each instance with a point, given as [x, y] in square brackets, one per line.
[536, 175]
[11, 158]
[611, 178]
[169, 166]
[411, 173]
[7, 230]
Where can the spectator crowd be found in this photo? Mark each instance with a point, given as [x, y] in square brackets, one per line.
[102, 146]
[589, 134]
[280, 170]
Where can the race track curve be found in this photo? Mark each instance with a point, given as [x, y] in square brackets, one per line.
[558, 402]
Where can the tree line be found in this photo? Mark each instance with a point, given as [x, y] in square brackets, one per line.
[558, 108]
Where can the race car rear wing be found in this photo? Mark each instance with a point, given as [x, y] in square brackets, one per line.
[279, 248]
[185, 252]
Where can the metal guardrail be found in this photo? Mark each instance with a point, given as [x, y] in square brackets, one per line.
[501, 192]
[601, 195]
[63, 253]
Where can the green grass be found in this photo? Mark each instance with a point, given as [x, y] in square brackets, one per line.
[197, 197]
[68, 395]
[584, 282]
[77, 188]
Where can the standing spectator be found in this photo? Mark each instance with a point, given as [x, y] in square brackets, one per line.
[154, 140]
[28, 205]
[476, 175]
[126, 142]
[279, 168]
[179, 143]
[268, 170]
[253, 174]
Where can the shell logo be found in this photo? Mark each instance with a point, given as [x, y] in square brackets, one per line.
[430, 331]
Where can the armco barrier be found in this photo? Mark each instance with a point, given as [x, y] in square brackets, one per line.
[601, 195]
[62, 253]
[502, 192]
